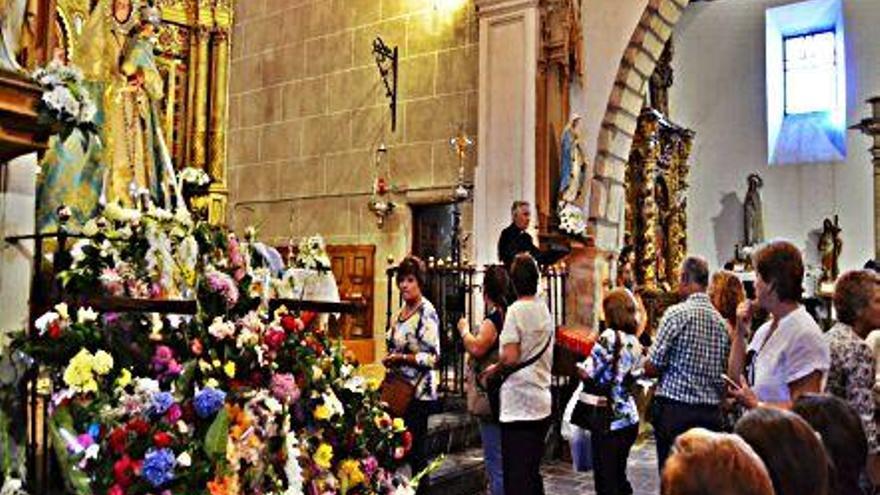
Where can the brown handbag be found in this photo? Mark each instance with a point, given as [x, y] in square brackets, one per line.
[398, 393]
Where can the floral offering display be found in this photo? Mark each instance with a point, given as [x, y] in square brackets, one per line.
[572, 219]
[312, 254]
[237, 399]
[66, 103]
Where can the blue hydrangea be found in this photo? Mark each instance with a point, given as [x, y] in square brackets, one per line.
[158, 467]
[208, 401]
[160, 403]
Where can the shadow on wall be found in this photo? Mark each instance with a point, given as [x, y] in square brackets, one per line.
[727, 226]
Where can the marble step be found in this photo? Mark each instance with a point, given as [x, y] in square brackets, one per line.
[462, 473]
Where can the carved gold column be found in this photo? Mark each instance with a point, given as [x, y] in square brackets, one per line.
[678, 174]
[646, 241]
[202, 38]
[219, 122]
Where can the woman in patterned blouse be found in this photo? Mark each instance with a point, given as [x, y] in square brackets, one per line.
[851, 376]
[611, 449]
[413, 344]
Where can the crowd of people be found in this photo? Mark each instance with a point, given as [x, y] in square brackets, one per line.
[750, 396]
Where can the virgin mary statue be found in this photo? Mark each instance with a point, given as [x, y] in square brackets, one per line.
[130, 161]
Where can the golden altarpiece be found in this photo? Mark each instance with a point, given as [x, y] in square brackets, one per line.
[192, 54]
[656, 195]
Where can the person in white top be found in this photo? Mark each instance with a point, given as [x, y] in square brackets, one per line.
[525, 395]
[788, 356]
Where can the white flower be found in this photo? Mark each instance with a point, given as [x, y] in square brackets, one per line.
[292, 469]
[12, 486]
[184, 459]
[115, 212]
[356, 384]
[247, 338]
[61, 308]
[333, 404]
[146, 386]
[44, 321]
[221, 329]
[192, 175]
[86, 315]
[91, 229]
[183, 428]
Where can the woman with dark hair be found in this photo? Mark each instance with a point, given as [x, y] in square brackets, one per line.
[526, 348]
[788, 356]
[841, 431]
[789, 447]
[708, 463]
[851, 377]
[413, 344]
[613, 360]
[482, 349]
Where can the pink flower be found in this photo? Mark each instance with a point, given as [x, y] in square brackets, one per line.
[223, 284]
[174, 413]
[112, 282]
[236, 260]
[284, 388]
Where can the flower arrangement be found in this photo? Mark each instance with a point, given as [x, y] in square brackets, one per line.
[312, 254]
[66, 102]
[572, 219]
[236, 399]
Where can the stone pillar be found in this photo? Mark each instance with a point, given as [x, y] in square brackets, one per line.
[871, 127]
[509, 39]
[219, 122]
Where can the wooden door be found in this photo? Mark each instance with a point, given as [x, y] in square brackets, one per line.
[352, 267]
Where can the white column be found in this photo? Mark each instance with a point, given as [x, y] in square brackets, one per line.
[509, 36]
[17, 210]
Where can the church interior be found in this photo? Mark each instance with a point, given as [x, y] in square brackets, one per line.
[255, 246]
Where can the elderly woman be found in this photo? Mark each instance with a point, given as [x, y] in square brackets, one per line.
[482, 349]
[413, 344]
[708, 463]
[788, 356]
[851, 377]
[526, 359]
[613, 360]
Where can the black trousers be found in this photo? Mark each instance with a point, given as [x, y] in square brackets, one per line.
[672, 418]
[522, 447]
[416, 419]
[610, 453]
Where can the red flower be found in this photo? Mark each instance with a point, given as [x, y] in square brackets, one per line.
[407, 440]
[274, 339]
[162, 439]
[54, 330]
[118, 439]
[139, 426]
[196, 347]
[123, 471]
[291, 324]
[115, 490]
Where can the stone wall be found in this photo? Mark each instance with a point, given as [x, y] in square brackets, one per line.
[308, 109]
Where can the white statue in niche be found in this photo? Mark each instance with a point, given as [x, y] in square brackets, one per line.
[12, 20]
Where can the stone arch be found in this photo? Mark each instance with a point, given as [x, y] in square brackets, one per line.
[607, 188]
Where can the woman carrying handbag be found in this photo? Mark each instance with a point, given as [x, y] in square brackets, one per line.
[482, 349]
[413, 343]
[606, 405]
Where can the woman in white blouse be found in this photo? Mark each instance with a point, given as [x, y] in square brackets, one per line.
[787, 357]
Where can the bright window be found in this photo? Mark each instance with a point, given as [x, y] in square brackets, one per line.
[810, 73]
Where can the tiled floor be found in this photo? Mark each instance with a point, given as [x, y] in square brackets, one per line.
[560, 479]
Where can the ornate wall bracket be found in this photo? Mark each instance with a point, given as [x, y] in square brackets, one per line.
[871, 127]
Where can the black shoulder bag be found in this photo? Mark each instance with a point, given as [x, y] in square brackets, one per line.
[495, 381]
[593, 410]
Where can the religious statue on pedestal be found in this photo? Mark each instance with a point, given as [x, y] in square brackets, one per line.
[130, 162]
[830, 246]
[573, 164]
[753, 212]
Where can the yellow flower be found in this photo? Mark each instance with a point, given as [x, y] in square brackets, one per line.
[229, 369]
[78, 374]
[124, 378]
[102, 363]
[350, 473]
[398, 424]
[216, 363]
[212, 382]
[317, 373]
[322, 412]
[324, 456]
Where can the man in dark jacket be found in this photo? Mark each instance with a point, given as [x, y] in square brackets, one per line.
[514, 238]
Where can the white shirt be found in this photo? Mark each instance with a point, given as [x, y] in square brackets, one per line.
[794, 350]
[525, 395]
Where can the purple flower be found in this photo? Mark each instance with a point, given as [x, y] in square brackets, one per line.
[224, 285]
[158, 467]
[208, 401]
[370, 465]
[284, 388]
[160, 403]
[164, 363]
